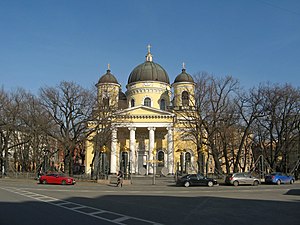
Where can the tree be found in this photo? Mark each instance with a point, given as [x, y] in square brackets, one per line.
[40, 147]
[70, 107]
[104, 114]
[277, 131]
[11, 125]
[211, 117]
[249, 110]
[215, 96]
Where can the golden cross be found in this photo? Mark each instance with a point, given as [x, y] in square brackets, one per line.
[149, 47]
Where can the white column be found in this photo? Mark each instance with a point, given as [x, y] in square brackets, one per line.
[113, 155]
[151, 147]
[170, 150]
[132, 151]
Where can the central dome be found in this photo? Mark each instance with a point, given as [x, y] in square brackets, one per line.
[148, 71]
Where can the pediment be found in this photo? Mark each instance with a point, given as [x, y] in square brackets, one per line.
[143, 111]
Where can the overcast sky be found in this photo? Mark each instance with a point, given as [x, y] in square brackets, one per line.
[44, 42]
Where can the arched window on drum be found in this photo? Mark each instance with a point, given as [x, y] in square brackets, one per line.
[147, 102]
[185, 98]
[163, 104]
[132, 103]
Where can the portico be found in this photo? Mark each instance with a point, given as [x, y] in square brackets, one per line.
[141, 139]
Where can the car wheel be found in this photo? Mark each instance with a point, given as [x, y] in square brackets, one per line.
[187, 184]
[292, 181]
[278, 182]
[63, 182]
[210, 184]
[236, 183]
[44, 182]
[255, 183]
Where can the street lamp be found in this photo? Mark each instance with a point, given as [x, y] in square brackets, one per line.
[127, 150]
[103, 151]
[154, 165]
[181, 159]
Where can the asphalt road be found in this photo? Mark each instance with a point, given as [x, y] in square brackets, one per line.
[26, 202]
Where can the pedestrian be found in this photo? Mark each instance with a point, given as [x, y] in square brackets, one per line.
[40, 173]
[120, 178]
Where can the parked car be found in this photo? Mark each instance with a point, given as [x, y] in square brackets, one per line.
[196, 180]
[55, 178]
[279, 178]
[241, 178]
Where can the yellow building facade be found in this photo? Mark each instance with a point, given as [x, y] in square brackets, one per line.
[146, 129]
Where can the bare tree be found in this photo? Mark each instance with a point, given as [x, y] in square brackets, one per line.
[70, 107]
[211, 117]
[11, 125]
[106, 112]
[277, 131]
[40, 147]
[215, 96]
[249, 110]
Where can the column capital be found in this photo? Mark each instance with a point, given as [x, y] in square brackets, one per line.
[131, 128]
[152, 128]
[170, 128]
[113, 128]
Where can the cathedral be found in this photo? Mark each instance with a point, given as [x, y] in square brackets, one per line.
[147, 131]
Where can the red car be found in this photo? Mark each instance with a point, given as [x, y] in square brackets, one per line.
[55, 178]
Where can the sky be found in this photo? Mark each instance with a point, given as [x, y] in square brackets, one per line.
[44, 42]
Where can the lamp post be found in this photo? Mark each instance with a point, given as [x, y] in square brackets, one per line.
[103, 151]
[127, 150]
[153, 163]
[154, 166]
[181, 160]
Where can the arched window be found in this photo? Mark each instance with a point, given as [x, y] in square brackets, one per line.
[132, 102]
[188, 158]
[161, 158]
[185, 98]
[163, 104]
[147, 102]
[105, 102]
[124, 162]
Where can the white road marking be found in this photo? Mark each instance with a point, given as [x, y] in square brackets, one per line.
[95, 212]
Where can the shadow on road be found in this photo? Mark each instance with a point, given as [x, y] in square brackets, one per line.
[162, 209]
[293, 192]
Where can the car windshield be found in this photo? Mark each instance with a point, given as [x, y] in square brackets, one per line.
[200, 176]
[275, 173]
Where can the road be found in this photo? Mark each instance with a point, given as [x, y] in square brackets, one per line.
[26, 202]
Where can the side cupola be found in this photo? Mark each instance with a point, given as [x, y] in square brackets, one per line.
[108, 90]
[184, 90]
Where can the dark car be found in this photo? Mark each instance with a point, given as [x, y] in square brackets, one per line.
[237, 179]
[196, 180]
[55, 178]
[279, 178]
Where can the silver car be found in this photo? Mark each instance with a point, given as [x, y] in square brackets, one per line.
[241, 178]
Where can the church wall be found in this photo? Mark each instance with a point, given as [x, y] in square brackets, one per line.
[183, 145]
[181, 87]
[110, 91]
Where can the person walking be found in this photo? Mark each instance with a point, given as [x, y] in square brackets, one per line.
[120, 178]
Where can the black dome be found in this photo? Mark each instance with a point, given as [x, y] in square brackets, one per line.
[108, 78]
[184, 77]
[148, 71]
[122, 96]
